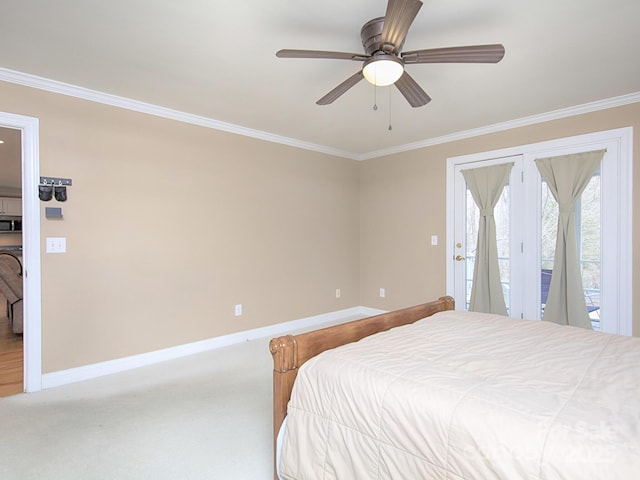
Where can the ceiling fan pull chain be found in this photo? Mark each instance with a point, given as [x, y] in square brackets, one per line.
[390, 128]
[375, 97]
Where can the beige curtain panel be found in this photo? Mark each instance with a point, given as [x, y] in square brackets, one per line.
[567, 177]
[486, 185]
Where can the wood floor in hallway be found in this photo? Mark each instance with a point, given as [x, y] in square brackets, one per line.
[11, 360]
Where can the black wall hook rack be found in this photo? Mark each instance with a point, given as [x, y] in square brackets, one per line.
[66, 182]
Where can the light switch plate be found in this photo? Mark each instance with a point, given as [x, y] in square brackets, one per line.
[56, 244]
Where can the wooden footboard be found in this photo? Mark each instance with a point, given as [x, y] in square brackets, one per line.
[291, 351]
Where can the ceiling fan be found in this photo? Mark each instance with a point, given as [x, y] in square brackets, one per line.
[383, 60]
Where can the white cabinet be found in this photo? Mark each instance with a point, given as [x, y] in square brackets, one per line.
[10, 206]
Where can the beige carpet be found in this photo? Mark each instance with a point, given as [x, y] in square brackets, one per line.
[205, 416]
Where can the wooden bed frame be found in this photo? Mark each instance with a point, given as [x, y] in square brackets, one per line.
[291, 351]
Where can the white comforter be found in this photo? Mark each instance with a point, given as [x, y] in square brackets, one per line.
[468, 396]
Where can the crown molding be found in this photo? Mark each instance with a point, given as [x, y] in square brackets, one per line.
[62, 88]
[520, 122]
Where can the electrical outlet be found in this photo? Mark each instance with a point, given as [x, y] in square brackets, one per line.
[434, 240]
[238, 310]
[382, 293]
[338, 293]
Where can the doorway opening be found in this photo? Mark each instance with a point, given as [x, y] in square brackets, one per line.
[11, 284]
[32, 327]
[526, 229]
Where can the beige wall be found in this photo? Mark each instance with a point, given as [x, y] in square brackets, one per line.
[402, 204]
[169, 225]
[10, 153]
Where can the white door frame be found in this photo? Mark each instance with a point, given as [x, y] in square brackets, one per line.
[623, 138]
[31, 247]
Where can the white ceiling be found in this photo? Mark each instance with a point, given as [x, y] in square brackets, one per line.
[216, 59]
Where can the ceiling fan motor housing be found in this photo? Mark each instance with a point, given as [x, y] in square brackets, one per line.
[371, 35]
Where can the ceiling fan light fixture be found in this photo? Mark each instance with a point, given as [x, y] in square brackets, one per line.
[383, 60]
[383, 69]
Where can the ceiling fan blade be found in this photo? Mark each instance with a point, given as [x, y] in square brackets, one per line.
[469, 54]
[340, 89]
[320, 54]
[414, 94]
[399, 17]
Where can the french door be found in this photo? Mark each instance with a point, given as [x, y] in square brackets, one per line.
[508, 233]
[526, 224]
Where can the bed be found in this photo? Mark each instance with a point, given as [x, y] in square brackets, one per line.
[457, 395]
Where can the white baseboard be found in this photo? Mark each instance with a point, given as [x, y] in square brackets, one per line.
[87, 372]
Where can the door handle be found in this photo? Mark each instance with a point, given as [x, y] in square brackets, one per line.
[459, 258]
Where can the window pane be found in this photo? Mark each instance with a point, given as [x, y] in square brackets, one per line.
[502, 217]
[590, 247]
[587, 223]
[471, 240]
[549, 226]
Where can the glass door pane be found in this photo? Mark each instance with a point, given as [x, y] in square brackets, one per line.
[549, 233]
[502, 218]
[589, 246]
[588, 234]
[472, 221]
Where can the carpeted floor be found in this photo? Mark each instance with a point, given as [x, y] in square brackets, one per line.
[205, 416]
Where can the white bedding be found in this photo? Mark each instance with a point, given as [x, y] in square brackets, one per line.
[464, 395]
